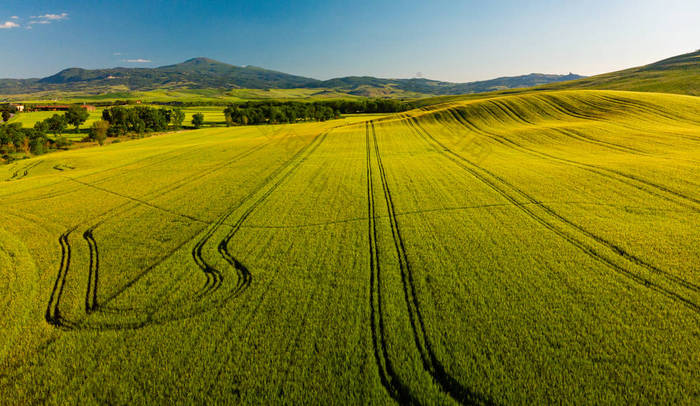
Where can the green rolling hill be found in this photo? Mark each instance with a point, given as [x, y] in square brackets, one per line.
[208, 74]
[679, 74]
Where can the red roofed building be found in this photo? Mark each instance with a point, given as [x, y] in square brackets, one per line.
[58, 107]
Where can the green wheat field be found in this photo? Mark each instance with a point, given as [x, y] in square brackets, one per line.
[508, 249]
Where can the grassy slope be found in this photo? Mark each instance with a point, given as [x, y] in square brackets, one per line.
[680, 75]
[543, 245]
[676, 75]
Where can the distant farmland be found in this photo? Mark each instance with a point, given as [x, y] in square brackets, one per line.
[529, 249]
[213, 115]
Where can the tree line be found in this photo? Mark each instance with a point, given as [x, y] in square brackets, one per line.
[15, 138]
[115, 121]
[142, 119]
[279, 112]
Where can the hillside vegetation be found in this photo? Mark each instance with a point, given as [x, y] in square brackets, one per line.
[197, 73]
[680, 74]
[527, 249]
[210, 78]
[677, 75]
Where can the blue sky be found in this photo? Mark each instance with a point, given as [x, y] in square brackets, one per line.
[446, 40]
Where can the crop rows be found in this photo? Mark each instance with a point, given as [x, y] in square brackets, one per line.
[532, 248]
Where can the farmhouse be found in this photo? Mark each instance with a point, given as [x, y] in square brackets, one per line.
[19, 107]
[51, 107]
[59, 107]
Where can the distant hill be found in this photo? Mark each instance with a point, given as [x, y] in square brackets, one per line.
[679, 74]
[359, 84]
[204, 73]
[197, 73]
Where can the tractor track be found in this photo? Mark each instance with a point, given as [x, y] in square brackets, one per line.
[245, 276]
[644, 107]
[390, 380]
[223, 250]
[635, 106]
[53, 314]
[560, 105]
[622, 177]
[239, 223]
[91, 303]
[91, 291]
[482, 175]
[431, 364]
[24, 171]
[159, 193]
[215, 277]
[511, 112]
[65, 192]
[577, 135]
[63, 167]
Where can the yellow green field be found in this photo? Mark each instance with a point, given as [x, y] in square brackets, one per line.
[213, 116]
[28, 119]
[535, 248]
[187, 95]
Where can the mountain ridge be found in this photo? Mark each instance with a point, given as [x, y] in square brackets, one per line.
[207, 73]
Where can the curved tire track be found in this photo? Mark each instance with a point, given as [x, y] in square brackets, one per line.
[483, 175]
[92, 287]
[53, 314]
[214, 276]
[642, 185]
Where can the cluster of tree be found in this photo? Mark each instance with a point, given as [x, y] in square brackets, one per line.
[264, 113]
[57, 123]
[6, 111]
[355, 106]
[14, 138]
[275, 112]
[141, 119]
[99, 130]
[197, 120]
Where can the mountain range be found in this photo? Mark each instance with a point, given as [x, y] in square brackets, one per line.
[205, 73]
[679, 74]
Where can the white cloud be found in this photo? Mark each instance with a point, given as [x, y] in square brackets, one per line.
[14, 18]
[138, 60]
[52, 17]
[8, 24]
[48, 18]
[117, 53]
